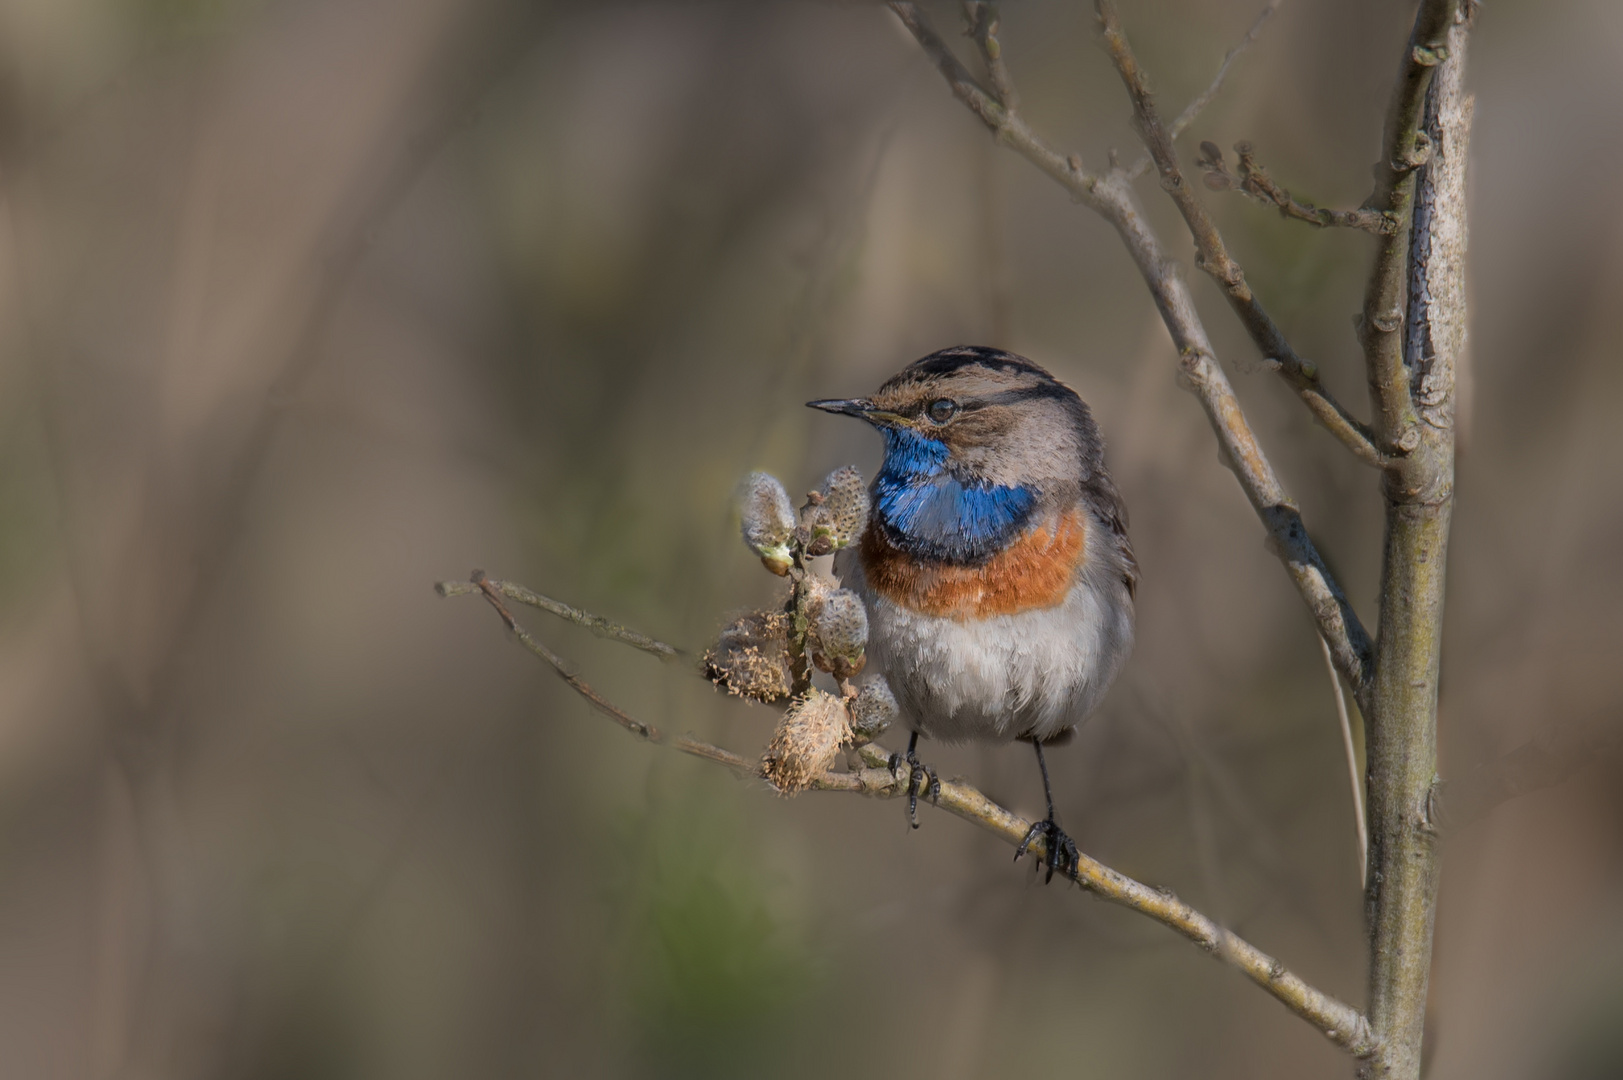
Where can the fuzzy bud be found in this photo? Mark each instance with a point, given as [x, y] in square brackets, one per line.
[839, 630]
[835, 516]
[768, 521]
[845, 505]
[751, 657]
[807, 741]
[872, 711]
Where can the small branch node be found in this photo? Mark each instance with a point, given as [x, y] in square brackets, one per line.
[1415, 155]
[1388, 321]
[1429, 55]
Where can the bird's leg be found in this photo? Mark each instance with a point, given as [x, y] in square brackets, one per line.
[920, 778]
[1059, 850]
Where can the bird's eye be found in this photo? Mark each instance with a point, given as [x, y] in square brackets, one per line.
[941, 410]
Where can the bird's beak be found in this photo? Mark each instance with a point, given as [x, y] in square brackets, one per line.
[862, 408]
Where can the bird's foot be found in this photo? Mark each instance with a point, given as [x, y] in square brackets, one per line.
[921, 780]
[1059, 850]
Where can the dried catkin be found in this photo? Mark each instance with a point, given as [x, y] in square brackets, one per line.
[807, 741]
[751, 657]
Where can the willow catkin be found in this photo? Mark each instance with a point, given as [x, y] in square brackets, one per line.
[845, 505]
[768, 520]
[872, 711]
[835, 516]
[839, 632]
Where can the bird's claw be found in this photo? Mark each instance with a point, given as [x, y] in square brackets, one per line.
[921, 780]
[1059, 850]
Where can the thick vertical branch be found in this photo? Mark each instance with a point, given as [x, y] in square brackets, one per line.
[1405, 148]
[1412, 377]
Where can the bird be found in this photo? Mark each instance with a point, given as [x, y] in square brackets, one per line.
[996, 569]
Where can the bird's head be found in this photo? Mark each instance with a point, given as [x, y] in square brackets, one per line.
[983, 415]
[977, 441]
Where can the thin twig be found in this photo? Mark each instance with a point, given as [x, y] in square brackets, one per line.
[1341, 1023]
[983, 28]
[566, 671]
[603, 628]
[1195, 107]
[1353, 774]
[1009, 128]
[1254, 182]
[1214, 258]
[1112, 197]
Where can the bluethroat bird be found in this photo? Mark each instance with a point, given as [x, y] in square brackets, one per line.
[996, 569]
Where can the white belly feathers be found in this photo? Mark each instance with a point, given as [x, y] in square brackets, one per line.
[1032, 673]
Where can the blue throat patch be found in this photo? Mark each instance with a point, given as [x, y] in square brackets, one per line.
[929, 512]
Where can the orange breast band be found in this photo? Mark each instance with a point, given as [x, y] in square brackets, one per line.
[1036, 571]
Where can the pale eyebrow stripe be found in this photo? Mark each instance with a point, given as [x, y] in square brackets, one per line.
[1024, 393]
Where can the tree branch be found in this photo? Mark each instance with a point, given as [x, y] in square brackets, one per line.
[1341, 1023]
[983, 28]
[1198, 105]
[1254, 182]
[598, 625]
[1405, 147]
[1419, 278]
[493, 591]
[1003, 123]
[1112, 197]
[1212, 254]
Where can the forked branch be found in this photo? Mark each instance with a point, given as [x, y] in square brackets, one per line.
[1341, 1023]
[1206, 96]
[494, 591]
[1414, 333]
[1212, 255]
[1112, 197]
[598, 625]
[1405, 148]
[983, 28]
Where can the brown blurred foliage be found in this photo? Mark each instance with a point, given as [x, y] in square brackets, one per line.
[305, 305]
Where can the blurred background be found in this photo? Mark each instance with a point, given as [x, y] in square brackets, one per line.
[304, 306]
